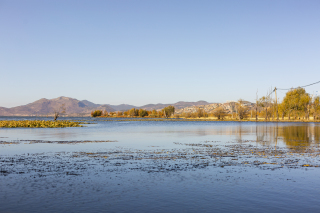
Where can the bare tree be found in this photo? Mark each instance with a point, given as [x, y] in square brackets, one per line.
[59, 111]
[264, 102]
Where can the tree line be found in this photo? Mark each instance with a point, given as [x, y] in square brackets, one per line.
[296, 105]
[166, 112]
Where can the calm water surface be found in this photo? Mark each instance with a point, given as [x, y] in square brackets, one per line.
[161, 166]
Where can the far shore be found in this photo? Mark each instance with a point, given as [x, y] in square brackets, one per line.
[311, 120]
[285, 119]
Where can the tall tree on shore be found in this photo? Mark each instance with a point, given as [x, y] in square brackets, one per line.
[282, 110]
[143, 113]
[133, 112]
[316, 107]
[168, 111]
[298, 101]
[242, 110]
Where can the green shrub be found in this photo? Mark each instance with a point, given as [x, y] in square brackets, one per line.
[96, 113]
[143, 113]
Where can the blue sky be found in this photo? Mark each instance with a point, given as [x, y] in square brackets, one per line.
[140, 52]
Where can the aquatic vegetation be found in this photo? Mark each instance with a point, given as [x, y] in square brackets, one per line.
[96, 113]
[37, 124]
[66, 142]
[8, 142]
[185, 157]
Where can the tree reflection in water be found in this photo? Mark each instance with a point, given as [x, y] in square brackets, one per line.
[295, 136]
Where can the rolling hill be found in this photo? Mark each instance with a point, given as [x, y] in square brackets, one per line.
[74, 107]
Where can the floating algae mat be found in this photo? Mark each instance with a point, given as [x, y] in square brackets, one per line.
[37, 124]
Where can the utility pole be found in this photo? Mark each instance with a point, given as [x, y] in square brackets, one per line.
[275, 92]
[257, 106]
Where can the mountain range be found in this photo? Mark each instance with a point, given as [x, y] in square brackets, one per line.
[74, 107]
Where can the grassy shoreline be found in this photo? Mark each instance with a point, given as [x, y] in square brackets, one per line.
[37, 124]
[77, 123]
[204, 119]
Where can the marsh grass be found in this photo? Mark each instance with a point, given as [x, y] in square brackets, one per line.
[213, 119]
[38, 124]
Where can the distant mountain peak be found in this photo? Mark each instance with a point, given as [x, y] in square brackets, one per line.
[45, 107]
[63, 98]
[75, 107]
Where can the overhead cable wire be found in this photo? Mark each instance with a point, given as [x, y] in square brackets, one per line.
[300, 86]
[291, 88]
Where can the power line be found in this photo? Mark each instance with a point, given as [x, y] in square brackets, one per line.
[290, 88]
[300, 86]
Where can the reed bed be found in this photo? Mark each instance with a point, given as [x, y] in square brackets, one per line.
[38, 124]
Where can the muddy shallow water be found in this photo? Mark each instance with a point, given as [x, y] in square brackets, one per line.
[161, 166]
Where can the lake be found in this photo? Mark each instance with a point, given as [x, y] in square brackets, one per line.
[118, 165]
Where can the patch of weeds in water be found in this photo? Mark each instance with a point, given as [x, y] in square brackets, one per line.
[8, 142]
[37, 124]
[187, 158]
[68, 142]
[56, 142]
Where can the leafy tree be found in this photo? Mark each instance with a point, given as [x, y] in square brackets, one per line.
[282, 110]
[316, 108]
[194, 115]
[220, 113]
[298, 101]
[154, 114]
[143, 113]
[186, 115]
[134, 112]
[241, 109]
[160, 114]
[205, 114]
[168, 111]
[96, 113]
[200, 112]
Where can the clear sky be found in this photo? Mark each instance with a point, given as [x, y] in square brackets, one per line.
[139, 52]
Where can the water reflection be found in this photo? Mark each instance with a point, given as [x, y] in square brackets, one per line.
[162, 167]
[153, 133]
[293, 136]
